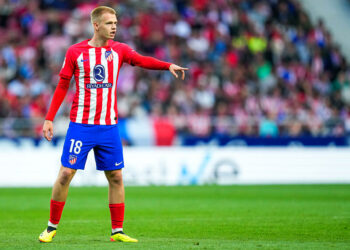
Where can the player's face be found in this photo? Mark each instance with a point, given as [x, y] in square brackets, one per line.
[107, 27]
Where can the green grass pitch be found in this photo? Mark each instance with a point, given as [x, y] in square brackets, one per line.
[185, 217]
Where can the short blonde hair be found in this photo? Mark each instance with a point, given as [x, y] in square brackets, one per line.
[98, 11]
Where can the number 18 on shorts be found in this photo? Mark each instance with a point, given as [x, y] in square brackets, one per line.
[103, 139]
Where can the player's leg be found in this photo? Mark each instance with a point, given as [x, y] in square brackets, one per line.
[58, 200]
[116, 198]
[59, 195]
[61, 186]
[75, 150]
[116, 187]
[109, 158]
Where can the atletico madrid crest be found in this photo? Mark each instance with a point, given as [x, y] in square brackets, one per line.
[109, 55]
[72, 159]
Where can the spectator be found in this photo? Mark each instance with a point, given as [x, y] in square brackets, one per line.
[247, 58]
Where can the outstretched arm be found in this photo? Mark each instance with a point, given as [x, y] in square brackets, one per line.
[148, 62]
[57, 99]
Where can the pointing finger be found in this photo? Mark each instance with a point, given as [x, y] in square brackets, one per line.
[174, 73]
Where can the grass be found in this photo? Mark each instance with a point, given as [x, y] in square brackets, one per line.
[191, 217]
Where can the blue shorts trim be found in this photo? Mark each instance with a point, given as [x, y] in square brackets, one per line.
[103, 139]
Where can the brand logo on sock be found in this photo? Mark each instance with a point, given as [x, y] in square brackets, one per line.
[72, 159]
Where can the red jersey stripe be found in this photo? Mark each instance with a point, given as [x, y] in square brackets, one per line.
[86, 110]
[109, 101]
[116, 66]
[98, 55]
[104, 63]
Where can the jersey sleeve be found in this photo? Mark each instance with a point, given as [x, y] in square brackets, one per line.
[58, 97]
[133, 58]
[68, 65]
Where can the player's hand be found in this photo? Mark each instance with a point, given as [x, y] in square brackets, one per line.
[173, 68]
[48, 130]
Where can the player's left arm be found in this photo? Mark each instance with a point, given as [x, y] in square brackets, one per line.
[135, 59]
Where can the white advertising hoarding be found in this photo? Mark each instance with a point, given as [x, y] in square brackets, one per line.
[38, 166]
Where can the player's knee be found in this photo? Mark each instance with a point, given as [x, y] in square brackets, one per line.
[66, 176]
[115, 177]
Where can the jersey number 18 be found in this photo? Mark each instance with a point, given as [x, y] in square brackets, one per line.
[76, 148]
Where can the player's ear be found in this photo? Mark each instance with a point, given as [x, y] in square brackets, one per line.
[95, 26]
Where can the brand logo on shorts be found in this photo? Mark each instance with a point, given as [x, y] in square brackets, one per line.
[72, 159]
[117, 164]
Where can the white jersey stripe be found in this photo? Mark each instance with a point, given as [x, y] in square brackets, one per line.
[81, 87]
[104, 90]
[114, 88]
[93, 96]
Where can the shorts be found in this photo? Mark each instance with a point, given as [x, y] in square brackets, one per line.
[105, 141]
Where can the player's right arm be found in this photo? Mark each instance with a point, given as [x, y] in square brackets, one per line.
[60, 93]
[57, 99]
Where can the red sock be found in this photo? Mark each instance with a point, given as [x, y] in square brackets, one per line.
[56, 208]
[117, 214]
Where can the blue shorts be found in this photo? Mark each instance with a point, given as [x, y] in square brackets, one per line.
[105, 141]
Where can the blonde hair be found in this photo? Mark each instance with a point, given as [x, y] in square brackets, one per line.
[98, 11]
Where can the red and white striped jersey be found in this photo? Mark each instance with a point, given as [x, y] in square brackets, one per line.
[96, 71]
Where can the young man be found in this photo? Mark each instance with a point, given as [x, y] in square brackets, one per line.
[95, 65]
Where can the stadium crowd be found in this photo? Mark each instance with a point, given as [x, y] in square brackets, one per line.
[257, 68]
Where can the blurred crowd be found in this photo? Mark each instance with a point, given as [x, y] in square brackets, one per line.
[256, 67]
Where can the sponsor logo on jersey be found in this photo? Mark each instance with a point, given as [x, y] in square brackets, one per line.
[72, 159]
[99, 85]
[99, 73]
[109, 55]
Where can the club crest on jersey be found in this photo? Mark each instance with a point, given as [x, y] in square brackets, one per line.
[99, 73]
[72, 159]
[109, 55]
